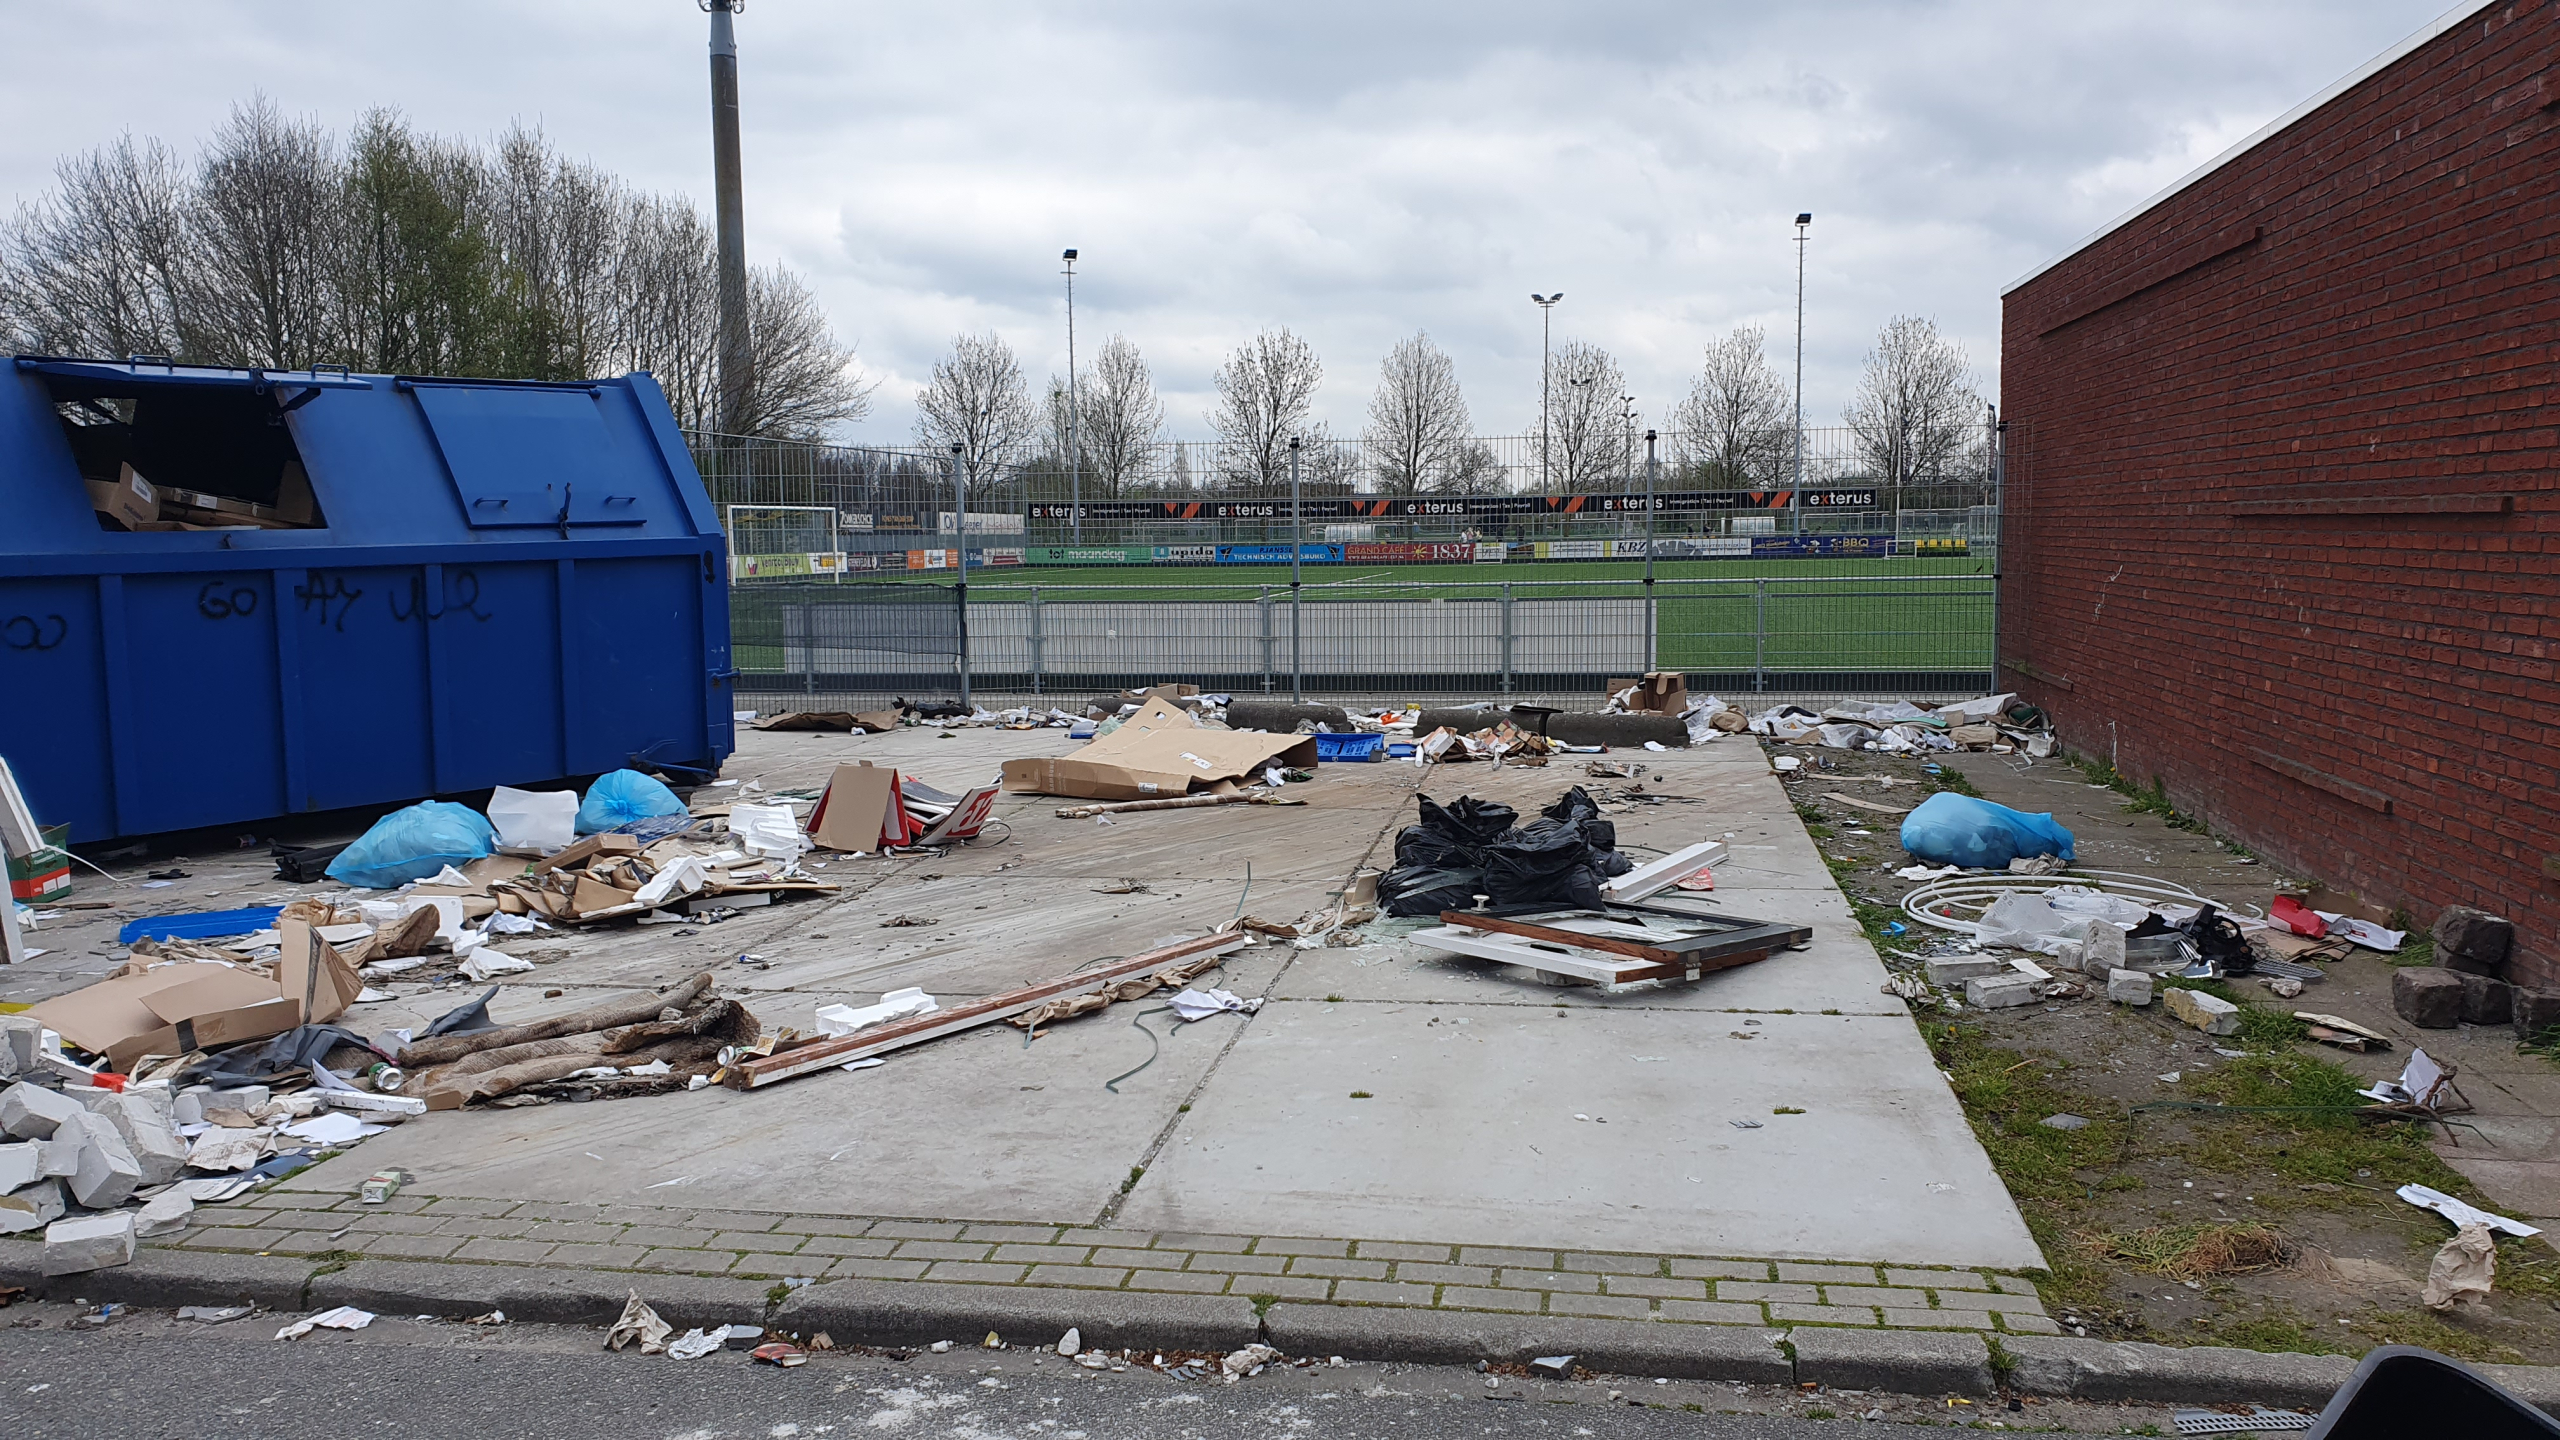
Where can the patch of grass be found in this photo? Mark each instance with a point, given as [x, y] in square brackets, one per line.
[1788, 1110]
[1950, 778]
[2139, 800]
[2260, 1028]
[1818, 1413]
[2306, 1146]
[2193, 1252]
[1262, 1304]
[2418, 950]
[1132, 1182]
[1333, 999]
[2417, 1327]
[2279, 1334]
[1362, 1095]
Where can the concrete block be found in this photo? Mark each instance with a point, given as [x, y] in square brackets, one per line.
[31, 1112]
[108, 1173]
[2475, 937]
[60, 1156]
[2487, 1000]
[20, 1038]
[1957, 969]
[164, 1214]
[145, 1120]
[2071, 959]
[1904, 1362]
[1996, 992]
[21, 1165]
[2101, 949]
[2129, 987]
[2208, 1013]
[2534, 1013]
[91, 1242]
[164, 1278]
[2428, 999]
[31, 1207]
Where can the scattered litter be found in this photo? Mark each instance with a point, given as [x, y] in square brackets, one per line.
[1247, 1361]
[694, 1344]
[215, 1314]
[494, 1317]
[345, 1317]
[1201, 1004]
[639, 1324]
[779, 1353]
[2064, 1122]
[2463, 1268]
[2461, 1214]
[1071, 1342]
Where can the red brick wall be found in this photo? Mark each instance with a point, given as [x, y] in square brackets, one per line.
[2209, 570]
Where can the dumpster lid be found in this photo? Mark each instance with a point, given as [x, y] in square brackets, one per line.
[528, 455]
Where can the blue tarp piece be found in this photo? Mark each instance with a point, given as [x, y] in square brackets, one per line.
[202, 925]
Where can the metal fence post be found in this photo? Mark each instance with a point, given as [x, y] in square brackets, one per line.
[1759, 635]
[1297, 533]
[1506, 637]
[1035, 639]
[1266, 639]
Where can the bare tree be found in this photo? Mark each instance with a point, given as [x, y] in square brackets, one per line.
[1122, 418]
[264, 196]
[1734, 426]
[1588, 448]
[100, 266]
[804, 381]
[976, 399]
[1915, 408]
[666, 304]
[1266, 396]
[1419, 433]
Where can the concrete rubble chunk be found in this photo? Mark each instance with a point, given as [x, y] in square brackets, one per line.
[2129, 987]
[31, 1112]
[60, 1156]
[2209, 1013]
[2472, 940]
[1957, 969]
[146, 1120]
[20, 1040]
[2487, 1000]
[21, 1165]
[88, 1242]
[1999, 991]
[108, 1173]
[2535, 1013]
[2101, 949]
[2429, 999]
[164, 1214]
[32, 1208]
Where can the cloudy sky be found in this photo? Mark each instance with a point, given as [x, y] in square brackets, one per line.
[1352, 171]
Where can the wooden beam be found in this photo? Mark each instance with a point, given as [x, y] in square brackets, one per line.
[765, 1070]
[1557, 935]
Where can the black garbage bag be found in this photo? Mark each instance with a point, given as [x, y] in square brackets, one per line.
[1428, 889]
[1452, 836]
[1576, 808]
[2219, 941]
[1543, 862]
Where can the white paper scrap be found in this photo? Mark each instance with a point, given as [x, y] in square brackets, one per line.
[345, 1317]
[2461, 1214]
[842, 1020]
[331, 1127]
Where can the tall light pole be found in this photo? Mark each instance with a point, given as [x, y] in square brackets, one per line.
[1297, 533]
[1075, 453]
[737, 353]
[1795, 497]
[1546, 334]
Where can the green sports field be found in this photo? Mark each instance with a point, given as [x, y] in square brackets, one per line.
[1888, 616]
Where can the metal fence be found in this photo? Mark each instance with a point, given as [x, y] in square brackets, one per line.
[800, 645]
[793, 497]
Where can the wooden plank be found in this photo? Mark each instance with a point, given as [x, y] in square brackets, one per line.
[843, 1050]
[1555, 959]
[1865, 804]
[1558, 935]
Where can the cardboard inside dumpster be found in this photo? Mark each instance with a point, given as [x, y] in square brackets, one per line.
[1158, 753]
[173, 1008]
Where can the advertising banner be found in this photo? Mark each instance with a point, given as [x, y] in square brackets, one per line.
[1277, 554]
[1821, 546]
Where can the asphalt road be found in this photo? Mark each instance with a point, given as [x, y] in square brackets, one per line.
[147, 1376]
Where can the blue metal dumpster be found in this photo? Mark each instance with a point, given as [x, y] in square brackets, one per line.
[228, 595]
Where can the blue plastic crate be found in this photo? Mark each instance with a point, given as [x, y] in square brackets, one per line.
[1351, 747]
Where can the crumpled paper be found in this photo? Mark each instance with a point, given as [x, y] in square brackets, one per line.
[639, 1323]
[2463, 1268]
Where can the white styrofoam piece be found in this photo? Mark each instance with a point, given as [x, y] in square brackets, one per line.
[1662, 874]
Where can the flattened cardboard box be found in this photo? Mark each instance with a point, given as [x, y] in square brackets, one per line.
[1158, 753]
[175, 1008]
[1662, 691]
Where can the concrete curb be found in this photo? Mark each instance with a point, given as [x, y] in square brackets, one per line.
[919, 1312]
[1905, 1362]
[2204, 1374]
[909, 1312]
[558, 1297]
[1442, 1337]
[168, 1279]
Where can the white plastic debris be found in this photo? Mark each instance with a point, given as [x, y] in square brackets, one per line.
[488, 964]
[842, 1020]
[1201, 1004]
[1247, 1360]
[345, 1317]
[1071, 1343]
[768, 830]
[695, 1344]
[2460, 1213]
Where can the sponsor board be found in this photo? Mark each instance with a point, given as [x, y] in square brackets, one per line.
[1417, 507]
[1491, 552]
[865, 561]
[777, 567]
[1817, 546]
[995, 558]
[1277, 554]
[930, 560]
[1410, 553]
[1185, 555]
[981, 522]
[855, 520]
[1839, 499]
[1088, 555]
[1572, 549]
[898, 522]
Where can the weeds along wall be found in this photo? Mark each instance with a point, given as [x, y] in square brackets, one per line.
[2280, 525]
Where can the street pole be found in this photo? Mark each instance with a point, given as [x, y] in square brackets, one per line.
[1650, 465]
[960, 499]
[1546, 379]
[1795, 496]
[1297, 532]
[1075, 452]
[737, 352]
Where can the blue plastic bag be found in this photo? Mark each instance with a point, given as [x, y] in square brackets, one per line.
[1952, 829]
[622, 797]
[413, 844]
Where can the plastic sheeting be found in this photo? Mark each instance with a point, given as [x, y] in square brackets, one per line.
[1952, 829]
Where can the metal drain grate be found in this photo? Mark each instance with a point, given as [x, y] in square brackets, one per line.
[2257, 1422]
